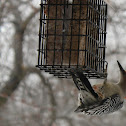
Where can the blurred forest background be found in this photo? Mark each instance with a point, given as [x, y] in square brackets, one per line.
[30, 97]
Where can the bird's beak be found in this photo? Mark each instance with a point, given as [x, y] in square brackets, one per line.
[121, 68]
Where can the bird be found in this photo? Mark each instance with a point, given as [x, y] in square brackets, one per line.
[99, 99]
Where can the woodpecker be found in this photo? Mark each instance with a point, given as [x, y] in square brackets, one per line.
[102, 98]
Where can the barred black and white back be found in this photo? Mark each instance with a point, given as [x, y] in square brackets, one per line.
[106, 106]
[89, 100]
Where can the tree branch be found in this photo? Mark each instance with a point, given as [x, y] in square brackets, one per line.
[18, 72]
[29, 70]
[26, 22]
[10, 87]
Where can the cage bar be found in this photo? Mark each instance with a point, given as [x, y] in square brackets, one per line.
[72, 35]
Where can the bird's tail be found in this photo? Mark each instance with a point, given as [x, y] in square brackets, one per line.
[82, 83]
[87, 95]
[77, 81]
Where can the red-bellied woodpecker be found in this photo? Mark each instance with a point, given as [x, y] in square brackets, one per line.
[101, 98]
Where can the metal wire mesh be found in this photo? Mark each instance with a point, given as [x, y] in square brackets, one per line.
[72, 35]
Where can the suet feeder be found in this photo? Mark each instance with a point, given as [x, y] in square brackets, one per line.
[72, 35]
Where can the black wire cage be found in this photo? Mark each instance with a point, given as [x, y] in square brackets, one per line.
[72, 35]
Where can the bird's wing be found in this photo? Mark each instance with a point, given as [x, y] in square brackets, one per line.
[106, 106]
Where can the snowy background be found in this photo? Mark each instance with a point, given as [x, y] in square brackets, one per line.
[29, 97]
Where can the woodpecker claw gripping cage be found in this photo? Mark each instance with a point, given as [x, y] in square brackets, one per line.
[72, 35]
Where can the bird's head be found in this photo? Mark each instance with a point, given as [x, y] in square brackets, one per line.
[122, 71]
[123, 78]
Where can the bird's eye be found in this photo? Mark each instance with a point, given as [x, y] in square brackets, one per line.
[101, 87]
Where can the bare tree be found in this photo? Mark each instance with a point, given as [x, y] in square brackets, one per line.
[31, 97]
